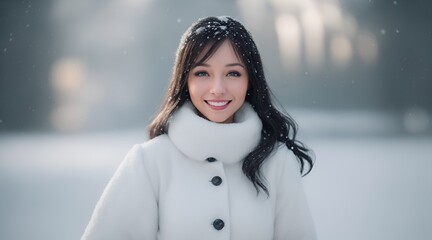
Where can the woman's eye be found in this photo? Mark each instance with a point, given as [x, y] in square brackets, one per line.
[234, 74]
[201, 74]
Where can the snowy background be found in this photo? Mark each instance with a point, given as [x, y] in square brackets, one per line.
[79, 81]
[361, 188]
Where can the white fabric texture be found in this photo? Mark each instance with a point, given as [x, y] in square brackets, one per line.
[228, 143]
[163, 189]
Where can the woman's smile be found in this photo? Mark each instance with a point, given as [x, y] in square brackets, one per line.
[217, 104]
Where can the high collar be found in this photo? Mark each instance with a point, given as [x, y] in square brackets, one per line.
[200, 139]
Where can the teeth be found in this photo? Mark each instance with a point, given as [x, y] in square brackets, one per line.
[217, 104]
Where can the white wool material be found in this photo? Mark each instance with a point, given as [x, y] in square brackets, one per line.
[199, 138]
[165, 189]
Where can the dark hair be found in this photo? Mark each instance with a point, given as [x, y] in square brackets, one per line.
[208, 34]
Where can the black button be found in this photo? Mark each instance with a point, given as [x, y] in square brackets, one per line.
[211, 159]
[218, 224]
[216, 180]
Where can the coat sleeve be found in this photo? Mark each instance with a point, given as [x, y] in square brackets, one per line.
[293, 219]
[127, 208]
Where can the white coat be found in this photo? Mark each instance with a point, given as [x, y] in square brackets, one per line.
[189, 185]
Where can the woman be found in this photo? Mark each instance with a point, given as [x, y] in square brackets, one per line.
[222, 162]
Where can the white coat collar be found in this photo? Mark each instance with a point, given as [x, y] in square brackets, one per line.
[200, 139]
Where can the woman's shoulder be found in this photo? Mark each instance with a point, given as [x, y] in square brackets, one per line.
[283, 159]
[161, 141]
[158, 146]
[150, 158]
[282, 153]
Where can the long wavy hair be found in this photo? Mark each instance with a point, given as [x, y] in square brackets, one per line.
[207, 34]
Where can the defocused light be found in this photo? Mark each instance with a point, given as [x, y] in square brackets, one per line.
[317, 30]
[332, 16]
[416, 120]
[67, 75]
[288, 32]
[341, 50]
[252, 10]
[313, 30]
[296, 5]
[367, 47]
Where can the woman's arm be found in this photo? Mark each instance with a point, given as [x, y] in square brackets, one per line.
[128, 206]
[293, 218]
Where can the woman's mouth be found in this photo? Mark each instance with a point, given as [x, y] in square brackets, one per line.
[218, 105]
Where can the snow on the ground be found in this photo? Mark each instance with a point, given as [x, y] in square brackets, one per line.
[361, 188]
[372, 188]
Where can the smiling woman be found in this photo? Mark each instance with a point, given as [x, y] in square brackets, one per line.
[197, 178]
[217, 87]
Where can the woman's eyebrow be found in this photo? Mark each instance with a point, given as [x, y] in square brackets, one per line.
[201, 65]
[227, 65]
[234, 64]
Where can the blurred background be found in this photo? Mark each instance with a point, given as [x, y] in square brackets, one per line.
[80, 81]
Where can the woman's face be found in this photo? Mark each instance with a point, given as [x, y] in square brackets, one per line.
[218, 87]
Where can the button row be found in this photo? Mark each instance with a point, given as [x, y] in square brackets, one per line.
[218, 224]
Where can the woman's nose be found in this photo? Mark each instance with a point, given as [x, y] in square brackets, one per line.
[218, 86]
